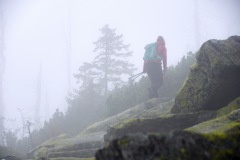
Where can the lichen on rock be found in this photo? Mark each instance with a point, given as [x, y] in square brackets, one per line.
[172, 146]
[204, 122]
[214, 80]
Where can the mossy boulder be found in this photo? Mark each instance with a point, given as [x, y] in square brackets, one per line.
[201, 121]
[232, 106]
[227, 120]
[85, 144]
[214, 80]
[175, 145]
[42, 150]
[149, 109]
[162, 124]
[212, 135]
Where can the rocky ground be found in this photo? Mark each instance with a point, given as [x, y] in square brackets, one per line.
[204, 122]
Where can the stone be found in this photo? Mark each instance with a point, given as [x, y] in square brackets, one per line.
[214, 80]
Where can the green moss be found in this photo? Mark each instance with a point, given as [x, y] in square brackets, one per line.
[221, 153]
[227, 120]
[56, 141]
[194, 67]
[125, 123]
[229, 143]
[220, 125]
[235, 104]
[183, 152]
[42, 153]
[122, 142]
[212, 137]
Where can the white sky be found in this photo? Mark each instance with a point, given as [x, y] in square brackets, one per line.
[36, 33]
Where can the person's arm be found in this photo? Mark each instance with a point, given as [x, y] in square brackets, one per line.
[144, 69]
[164, 56]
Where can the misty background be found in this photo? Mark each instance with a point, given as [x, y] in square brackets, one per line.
[45, 41]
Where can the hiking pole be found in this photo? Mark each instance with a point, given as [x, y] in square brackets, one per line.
[132, 78]
[135, 76]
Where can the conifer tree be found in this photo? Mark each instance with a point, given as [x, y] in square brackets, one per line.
[111, 61]
[87, 76]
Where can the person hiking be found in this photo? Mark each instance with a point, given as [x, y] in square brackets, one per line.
[154, 57]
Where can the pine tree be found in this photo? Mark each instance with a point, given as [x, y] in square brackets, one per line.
[87, 76]
[111, 60]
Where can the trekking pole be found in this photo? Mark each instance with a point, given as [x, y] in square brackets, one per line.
[135, 76]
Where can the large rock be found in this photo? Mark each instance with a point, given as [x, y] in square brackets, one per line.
[228, 119]
[162, 124]
[221, 141]
[150, 109]
[83, 146]
[214, 81]
[213, 139]
[201, 122]
[173, 146]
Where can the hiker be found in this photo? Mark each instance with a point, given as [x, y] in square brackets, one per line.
[155, 54]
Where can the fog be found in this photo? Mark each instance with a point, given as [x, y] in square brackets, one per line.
[39, 34]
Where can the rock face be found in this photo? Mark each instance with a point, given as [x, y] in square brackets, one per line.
[217, 138]
[215, 80]
[173, 146]
[63, 146]
[160, 124]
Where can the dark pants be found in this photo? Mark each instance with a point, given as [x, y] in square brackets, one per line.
[155, 74]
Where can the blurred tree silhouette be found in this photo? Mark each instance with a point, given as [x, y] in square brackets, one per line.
[111, 61]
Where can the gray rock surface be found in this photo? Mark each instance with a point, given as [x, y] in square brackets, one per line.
[214, 81]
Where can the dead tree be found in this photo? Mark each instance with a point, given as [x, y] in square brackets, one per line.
[2, 61]
[23, 126]
[29, 124]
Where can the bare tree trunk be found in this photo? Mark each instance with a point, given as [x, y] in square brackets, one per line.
[2, 61]
[23, 124]
[29, 124]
